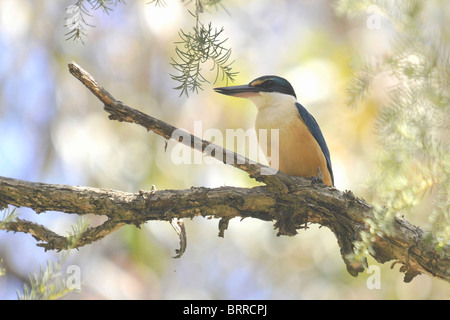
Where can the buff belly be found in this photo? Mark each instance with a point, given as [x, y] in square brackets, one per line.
[299, 154]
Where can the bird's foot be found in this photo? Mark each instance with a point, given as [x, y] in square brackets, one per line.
[318, 179]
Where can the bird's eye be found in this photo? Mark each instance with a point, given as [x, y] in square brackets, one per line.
[268, 84]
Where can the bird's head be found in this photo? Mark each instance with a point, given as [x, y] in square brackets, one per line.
[262, 91]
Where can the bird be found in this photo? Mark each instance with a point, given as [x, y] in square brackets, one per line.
[302, 149]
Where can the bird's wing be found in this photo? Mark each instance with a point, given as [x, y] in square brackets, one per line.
[314, 128]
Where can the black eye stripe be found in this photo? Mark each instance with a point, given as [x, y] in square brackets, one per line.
[273, 84]
[267, 84]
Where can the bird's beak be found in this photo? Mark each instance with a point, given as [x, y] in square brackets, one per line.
[243, 91]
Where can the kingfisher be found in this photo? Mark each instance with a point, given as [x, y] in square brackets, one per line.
[302, 148]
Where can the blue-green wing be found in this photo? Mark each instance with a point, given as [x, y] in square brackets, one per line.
[314, 128]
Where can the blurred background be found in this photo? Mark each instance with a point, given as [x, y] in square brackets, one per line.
[53, 130]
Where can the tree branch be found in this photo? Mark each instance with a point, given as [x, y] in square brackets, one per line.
[290, 202]
[121, 112]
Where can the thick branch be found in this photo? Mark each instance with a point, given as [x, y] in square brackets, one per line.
[340, 211]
